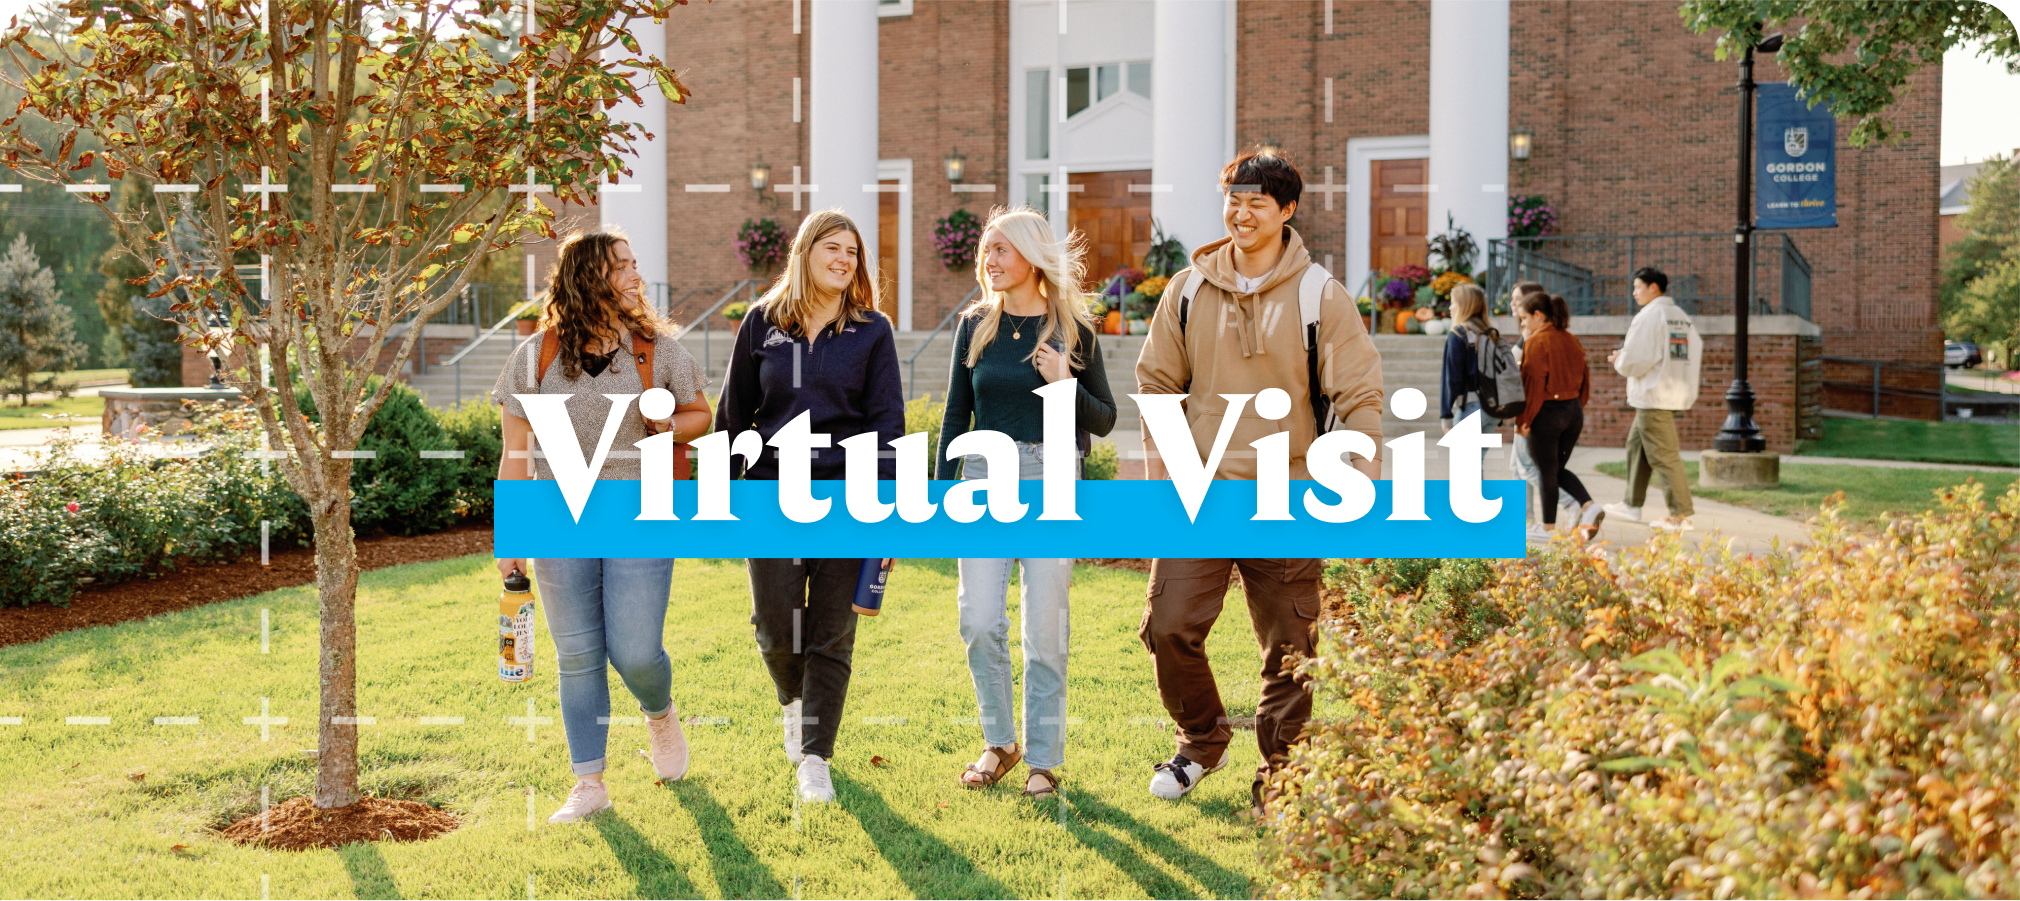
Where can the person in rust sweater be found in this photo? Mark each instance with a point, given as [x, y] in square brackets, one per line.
[1557, 383]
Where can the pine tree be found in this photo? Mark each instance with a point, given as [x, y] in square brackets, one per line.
[37, 332]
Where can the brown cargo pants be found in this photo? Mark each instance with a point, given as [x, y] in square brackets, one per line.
[1185, 599]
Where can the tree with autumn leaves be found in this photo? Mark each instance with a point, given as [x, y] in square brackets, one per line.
[365, 156]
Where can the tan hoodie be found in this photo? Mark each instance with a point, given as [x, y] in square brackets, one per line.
[1242, 343]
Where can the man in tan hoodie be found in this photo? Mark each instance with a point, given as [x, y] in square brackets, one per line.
[1242, 333]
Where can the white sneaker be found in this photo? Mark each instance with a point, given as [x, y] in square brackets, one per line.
[793, 741]
[1588, 522]
[1623, 511]
[1538, 534]
[1178, 776]
[585, 798]
[669, 745]
[1674, 524]
[815, 785]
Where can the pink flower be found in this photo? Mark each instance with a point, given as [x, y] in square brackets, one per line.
[72, 506]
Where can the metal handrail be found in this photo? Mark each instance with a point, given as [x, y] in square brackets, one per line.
[457, 360]
[912, 365]
[698, 320]
[707, 322]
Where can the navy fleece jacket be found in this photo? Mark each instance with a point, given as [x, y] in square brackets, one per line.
[848, 381]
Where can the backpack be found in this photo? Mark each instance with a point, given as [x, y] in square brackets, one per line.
[1501, 394]
[642, 348]
[1311, 290]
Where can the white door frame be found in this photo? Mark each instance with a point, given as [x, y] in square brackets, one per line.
[1361, 154]
[901, 170]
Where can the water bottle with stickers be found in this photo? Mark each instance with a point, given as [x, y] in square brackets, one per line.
[515, 628]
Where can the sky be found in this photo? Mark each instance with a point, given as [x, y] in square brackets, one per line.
[1981, 108]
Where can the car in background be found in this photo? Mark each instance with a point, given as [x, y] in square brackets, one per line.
[1961, 354]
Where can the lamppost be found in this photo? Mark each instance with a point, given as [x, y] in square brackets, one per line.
[217, 333]
[1739, 435]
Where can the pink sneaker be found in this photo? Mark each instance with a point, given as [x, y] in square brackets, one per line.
[669, 745]
[585, 798]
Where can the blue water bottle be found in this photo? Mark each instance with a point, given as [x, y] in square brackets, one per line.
[870, 585]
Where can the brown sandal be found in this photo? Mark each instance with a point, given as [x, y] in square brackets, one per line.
[1051, 785]
[1005, 759]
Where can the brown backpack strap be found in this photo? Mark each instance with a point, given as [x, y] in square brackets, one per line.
[642, 346]
[549, 349]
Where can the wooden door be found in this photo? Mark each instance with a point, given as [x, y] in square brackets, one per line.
[888, 207]
[1114, 219]
[1400, 210]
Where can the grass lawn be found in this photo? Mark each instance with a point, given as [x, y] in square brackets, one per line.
[1869, 490]
[88, 377]
[34, 416]
[80, 820]
[1926, 442]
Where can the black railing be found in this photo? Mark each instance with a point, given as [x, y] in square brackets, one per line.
[1595, 273]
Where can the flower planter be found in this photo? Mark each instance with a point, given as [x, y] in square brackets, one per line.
[1368, 322]
[526, 326]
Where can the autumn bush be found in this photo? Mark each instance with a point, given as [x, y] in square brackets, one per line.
[1675, 720]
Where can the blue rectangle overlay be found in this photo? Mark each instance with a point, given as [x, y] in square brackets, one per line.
[1128, 518]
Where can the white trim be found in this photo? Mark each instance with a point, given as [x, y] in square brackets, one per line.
[1957, 210]
[902, 171]
[1361, 152]
[889, 8]
[1233, 24]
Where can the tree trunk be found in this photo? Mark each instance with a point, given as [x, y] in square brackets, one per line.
[337, 669]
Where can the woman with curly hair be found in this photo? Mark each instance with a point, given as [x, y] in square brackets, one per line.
[598, 337]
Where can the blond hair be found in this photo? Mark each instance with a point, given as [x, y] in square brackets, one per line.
[1061, 265]
[789, 302]
[1469, 305]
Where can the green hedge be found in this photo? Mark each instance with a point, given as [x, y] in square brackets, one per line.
[138, 515]
[1678, 720]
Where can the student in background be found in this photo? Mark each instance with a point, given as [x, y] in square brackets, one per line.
[1556, 383]
[1519, 462]
[1029, 330]
[1660, 358]
[602, 613]
[815, 345]
[1459, 384]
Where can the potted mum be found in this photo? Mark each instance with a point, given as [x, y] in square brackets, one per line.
[528, 320]
[734, 312]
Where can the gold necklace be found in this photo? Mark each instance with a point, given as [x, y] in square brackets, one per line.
[1017, 331]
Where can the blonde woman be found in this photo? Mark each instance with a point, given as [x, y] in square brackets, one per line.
[603, 613]
[1459, 394]
[1030, 330]
[814, 345]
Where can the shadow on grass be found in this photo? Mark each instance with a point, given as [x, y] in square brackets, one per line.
[656, 874]
[738, 872]
[1155, 882]
[370, 877]
[929, 867]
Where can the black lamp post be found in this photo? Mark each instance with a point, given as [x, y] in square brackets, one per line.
[1740, 434]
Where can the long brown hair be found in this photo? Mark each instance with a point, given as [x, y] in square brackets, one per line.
[579, 308]
[1551, 306]
[789, 302]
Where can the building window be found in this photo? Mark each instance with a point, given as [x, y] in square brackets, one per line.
[1139, 79]
[1089, 85]
[1077, 94]
[1038, 114]
[1035, 195]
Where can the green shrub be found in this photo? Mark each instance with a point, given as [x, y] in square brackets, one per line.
[138, 514]
[474, 427]
[1838, 718]
[1101, 462]
[1434, 591]
[397, 491]
[923, 414]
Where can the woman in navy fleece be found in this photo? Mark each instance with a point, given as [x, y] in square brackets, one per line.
[814, 345]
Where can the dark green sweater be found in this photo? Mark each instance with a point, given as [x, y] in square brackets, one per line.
[995, 395]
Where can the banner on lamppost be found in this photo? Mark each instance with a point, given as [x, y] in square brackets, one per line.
[1795, 161]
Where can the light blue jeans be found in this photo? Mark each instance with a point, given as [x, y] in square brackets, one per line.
[605, 612]
[985, 629]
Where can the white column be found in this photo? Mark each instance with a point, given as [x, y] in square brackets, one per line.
[642, 215]
[1189, 98]
[1469, 118]
[842, 123]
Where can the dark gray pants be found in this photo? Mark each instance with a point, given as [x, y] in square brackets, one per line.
[806, 632]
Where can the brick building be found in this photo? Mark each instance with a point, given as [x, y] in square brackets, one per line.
[1114, 114]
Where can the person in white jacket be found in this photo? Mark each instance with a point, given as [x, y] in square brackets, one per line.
[1660, 358]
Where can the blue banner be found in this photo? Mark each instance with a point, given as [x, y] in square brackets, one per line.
[1128, 518]
[1795, 161]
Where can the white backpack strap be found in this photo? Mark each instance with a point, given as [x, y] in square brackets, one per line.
[1311, 291]
[1192, 282]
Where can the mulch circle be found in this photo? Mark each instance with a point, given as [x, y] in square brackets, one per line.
[194, 585]
[297, 825]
